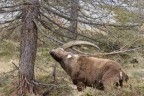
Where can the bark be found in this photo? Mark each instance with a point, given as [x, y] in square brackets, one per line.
[28, 49]
[74, 17]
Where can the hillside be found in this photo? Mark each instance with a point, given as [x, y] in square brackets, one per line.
[9, 59]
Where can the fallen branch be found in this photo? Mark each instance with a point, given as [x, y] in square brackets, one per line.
[111, 53]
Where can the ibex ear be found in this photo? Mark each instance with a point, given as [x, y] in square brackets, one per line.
[69, 56]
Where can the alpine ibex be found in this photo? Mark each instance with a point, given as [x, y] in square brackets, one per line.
[88, 70]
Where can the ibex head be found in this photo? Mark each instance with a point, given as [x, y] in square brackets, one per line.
[60, 54]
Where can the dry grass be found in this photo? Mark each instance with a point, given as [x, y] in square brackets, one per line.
[44, 71]
[7, 65]
[134, 87]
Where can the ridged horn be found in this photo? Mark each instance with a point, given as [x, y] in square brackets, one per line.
[77, 42]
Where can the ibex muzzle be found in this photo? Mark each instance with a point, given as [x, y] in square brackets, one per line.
[57, 53]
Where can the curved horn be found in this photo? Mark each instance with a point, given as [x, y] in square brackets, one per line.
[73, 43]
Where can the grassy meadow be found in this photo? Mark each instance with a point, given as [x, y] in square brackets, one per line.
[9, 59]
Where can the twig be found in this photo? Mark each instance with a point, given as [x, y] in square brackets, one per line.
[46, 93]
[54, 72]
[38, 83]
[132, 42]
[44, 24]
[42, 69]
[15, 65]
[8, 11]
[12, 6]
[43, 33]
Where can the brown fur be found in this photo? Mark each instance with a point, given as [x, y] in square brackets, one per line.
[90, 71]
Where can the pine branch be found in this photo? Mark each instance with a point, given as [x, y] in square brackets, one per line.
[9, 21]
[44, 24]
[8, 11]
[64, 27]
[86, 22]
[43, 33]
[11, 6]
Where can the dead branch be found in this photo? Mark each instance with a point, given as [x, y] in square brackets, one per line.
[7, 11]
[11, 6]
[9, 21]
[8, 74]
[132, 42]
[54, 72]
[43, 33]
[44, 24]
[111, 53]
[9, 29]
[43, 42]
[15, 65]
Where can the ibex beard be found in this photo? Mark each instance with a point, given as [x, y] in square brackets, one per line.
[90, 71]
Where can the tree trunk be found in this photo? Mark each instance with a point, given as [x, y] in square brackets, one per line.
[74, 17]
[28, 49]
